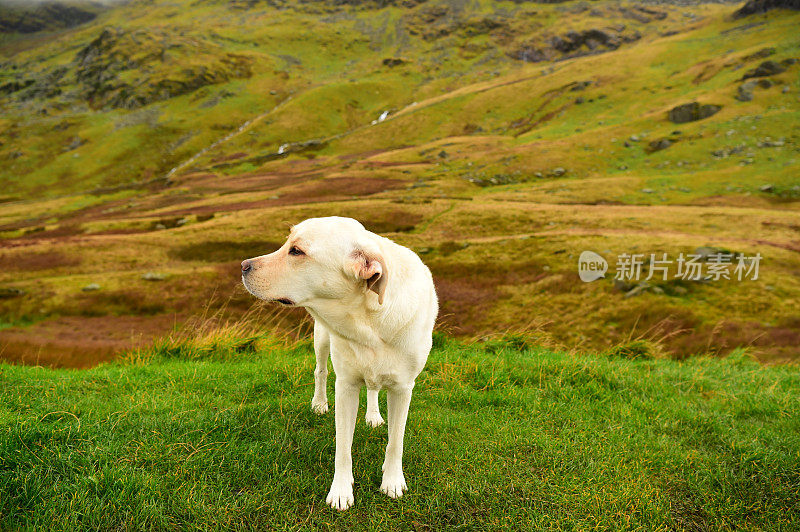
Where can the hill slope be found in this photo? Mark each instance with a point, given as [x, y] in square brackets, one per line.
[498, 139]
[500, 435]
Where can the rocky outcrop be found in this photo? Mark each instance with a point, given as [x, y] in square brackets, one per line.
[573, 44]
[168, 66]
[762, 6]
[130, 69]
[767, 68]
[690, 112]
[33, 17]
[433, 22]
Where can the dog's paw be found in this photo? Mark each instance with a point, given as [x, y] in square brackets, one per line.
[374, 419]
[319, 407]
[340, 497]
[394, 485]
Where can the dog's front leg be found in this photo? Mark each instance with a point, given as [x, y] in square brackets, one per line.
[340, 497]
[398, 401]
[322, 349]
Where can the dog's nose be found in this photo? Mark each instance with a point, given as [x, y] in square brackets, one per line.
[246, 266]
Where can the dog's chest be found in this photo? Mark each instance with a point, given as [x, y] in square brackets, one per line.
[378, 368]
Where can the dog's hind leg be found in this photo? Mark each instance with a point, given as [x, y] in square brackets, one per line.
[322, 349]
[373, 417]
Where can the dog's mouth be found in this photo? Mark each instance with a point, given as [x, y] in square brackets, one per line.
[285, 302]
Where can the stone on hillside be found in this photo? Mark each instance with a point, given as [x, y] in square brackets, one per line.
[689, 112]
[767, 68]
[705, 252]
[745, 91]
[152, 276]
[638, 289]
[658, 145]
[91, 287]
[581, 85]
[766, 188]
[621, 285]
[558, 171]
[769, 143]
[393, 61]
[8, 293]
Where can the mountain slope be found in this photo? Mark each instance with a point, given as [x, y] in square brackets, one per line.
[498, 139]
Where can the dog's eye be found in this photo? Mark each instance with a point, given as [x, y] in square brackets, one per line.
[294, 250]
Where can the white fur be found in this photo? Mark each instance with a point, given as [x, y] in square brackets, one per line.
[374, 307]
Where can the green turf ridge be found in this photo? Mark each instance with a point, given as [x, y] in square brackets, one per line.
[502, 434]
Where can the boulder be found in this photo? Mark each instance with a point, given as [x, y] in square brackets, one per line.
[767, 68]
[745, 91]
[8, 293]
[690, 112]
[658, 145]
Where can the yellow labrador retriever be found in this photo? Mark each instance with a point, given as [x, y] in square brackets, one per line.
[374, 307]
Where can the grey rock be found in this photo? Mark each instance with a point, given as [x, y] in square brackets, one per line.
[658, 145]
[745, 91]
[638, 289]
[706, 251]
[557, 172]
[8, 293]
[769, 143]
[767, 68]
[766, 188]
[393, 61]
[690, 112]
[622, 286]
[152, 276]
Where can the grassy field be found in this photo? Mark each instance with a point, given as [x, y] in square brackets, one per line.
[219, 434]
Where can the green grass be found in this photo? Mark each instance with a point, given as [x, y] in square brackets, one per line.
[501, 435]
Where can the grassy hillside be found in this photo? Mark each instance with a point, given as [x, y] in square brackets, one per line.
[220, 434]
[178, 138]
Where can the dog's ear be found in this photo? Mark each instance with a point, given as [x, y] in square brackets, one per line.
[370, 267]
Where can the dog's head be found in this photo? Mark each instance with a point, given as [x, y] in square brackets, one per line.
[323, 259]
